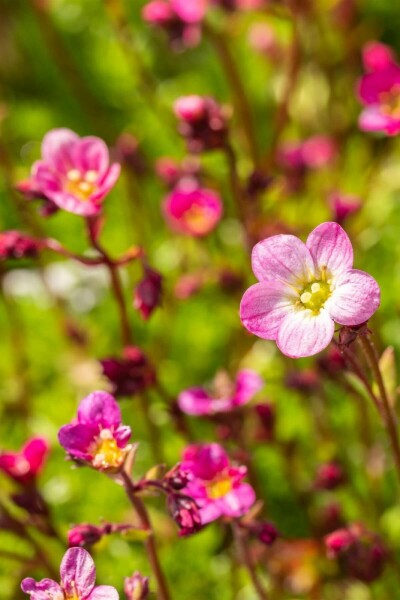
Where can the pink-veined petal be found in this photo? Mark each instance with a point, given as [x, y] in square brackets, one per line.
[72, 204]
[78, 571]
[304, 334]
[330, 246]
[210, 512]
[42, 590]
[104, 592]
[264, 306]
[355, 298]
[238, 501]
[57, 147]
[91, 154]
[282, 257]
[99, 408]
[106, 184]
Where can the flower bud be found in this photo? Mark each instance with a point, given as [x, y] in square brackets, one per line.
[185, 513]
[148, 292]
[329, 476]
[129, 374]
[84, 535]
[136, 587]
[265, 532]
[202, 122]
[266, 414]
[177, 478]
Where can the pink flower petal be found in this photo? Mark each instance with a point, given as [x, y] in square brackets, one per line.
[104, 592]
[371, 119]
[77, 569]
[77, 439]
[35, 452]
[264, 306]
[373, 84]
[282, 257]
[210, 512]
[238, 501]
[73, 204]
[57, 146]
[42, 590]
[190, 11]
[108, 181]
[45, 178]
[304, 334]
[330, 246]
[91, 154]
[195, 401]
[248, 383]
[355, 298]
[99, 408]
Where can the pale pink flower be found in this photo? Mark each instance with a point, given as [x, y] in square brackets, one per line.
[215, 484]
[78, 575]
[225, 397]
[304, 289]
[194, 212]
[74, 173]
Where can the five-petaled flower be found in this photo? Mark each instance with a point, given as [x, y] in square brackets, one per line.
[194, 212]
[226, 396]
[304, 288]
[74, 173]
[97, 436]
[24, 466]
[216, 485]
[78, 575]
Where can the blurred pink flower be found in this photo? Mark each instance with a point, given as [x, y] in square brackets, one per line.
[343, 205]
[216, 485]
[194, 212]
[377, 56]
[379, 91]
[197, 401]
[148, 293]
[329, 476]
[97, 436]
[75, 173]
[14, 244]
[129, 374]
[181, 19]
[136, 587]
[313, 153]
[24, 466]
[304, 288]
[202, 122]
[78, 575]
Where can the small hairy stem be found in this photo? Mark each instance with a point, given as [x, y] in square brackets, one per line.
[240, 539]
[151, 549]
[389, 417]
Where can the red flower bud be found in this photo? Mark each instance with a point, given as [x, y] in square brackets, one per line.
[148, 293]
[185, 513]
[136, 587]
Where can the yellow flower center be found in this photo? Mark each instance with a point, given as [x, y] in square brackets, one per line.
[107, 454]
[71, 593]
[314, 295]
[219, 487]
[197, 218]
[81, 186]
[390, 101]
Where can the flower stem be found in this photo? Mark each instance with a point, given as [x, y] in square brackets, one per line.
[235, 182]
[239, 94]
[244, 552]
[163, 592]
[116, 285]
[388, 415]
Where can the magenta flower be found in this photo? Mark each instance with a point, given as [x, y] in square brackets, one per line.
[343, 205]
[75, 173]
[24, 466]
[313, 153]
[304, 288]
[181, 19]
[216, 485]
[226, 397]
[97, 436]
[379, 91]
[14, 244]
[194, 212]
[78, 575]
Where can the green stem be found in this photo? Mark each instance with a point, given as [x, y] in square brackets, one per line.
[246, 557]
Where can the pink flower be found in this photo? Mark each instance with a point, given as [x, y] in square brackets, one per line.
[14, 244]
[24, 466]
[202, 122]
[97, 437]
[377, 56]
[190, 11]
[304, 288]
[343, 205]
[313, 153]
[181, 19]
[75, 173]
[130, 374]
[197, 401]
[78, 575]
[136, 587]
[216, 485]
[194, 212]
[379, 91]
